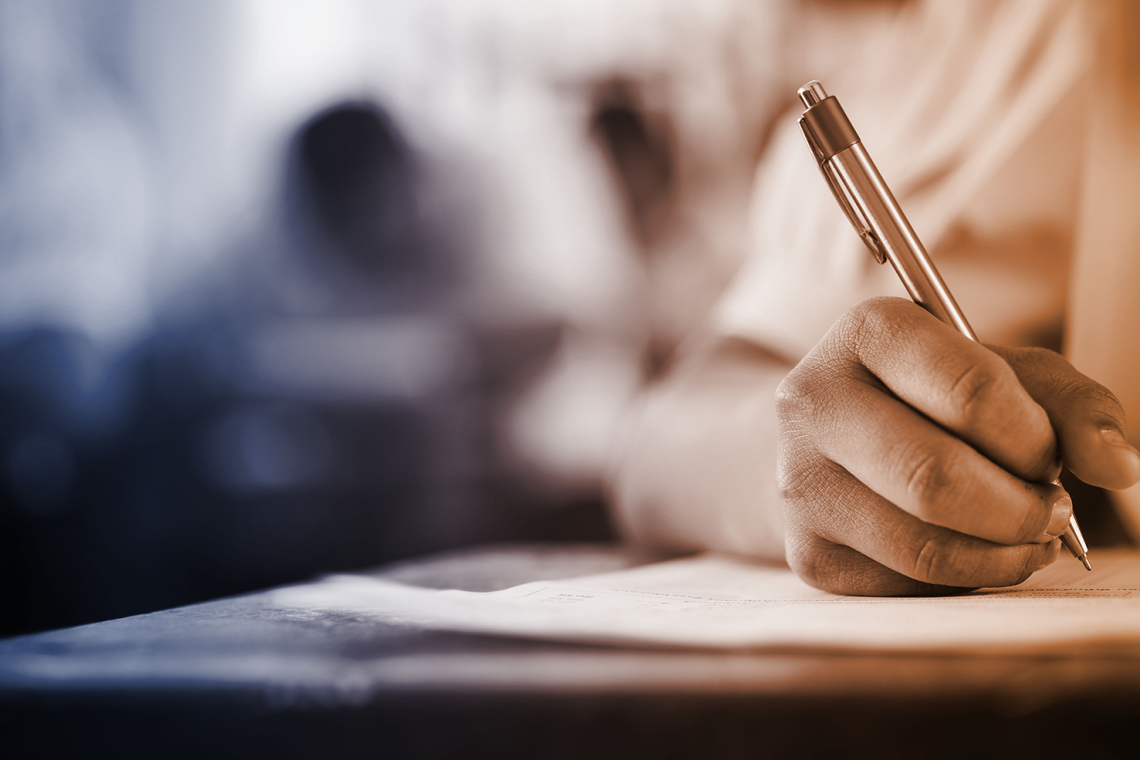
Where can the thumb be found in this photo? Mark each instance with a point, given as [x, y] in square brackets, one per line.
[1086, 417]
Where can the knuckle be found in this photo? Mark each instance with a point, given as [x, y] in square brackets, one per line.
[947, 560]
[813, 560]
[794, 394]
[978, 387]
[792, 479]
[1094, 396]
[929, 561]
[869, 321]
[802, 557]
[802, 404]
[804, 481]
[931, 481]
[940, 560]
[795, 410]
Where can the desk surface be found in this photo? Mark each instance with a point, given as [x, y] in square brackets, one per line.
[236, 676]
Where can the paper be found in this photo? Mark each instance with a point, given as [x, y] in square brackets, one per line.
[714, 601]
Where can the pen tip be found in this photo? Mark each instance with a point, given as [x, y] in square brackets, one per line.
[1085, 562]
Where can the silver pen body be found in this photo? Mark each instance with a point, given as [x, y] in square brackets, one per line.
[880, 222]
[900, 244]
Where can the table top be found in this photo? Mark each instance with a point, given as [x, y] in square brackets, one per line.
[235, 675]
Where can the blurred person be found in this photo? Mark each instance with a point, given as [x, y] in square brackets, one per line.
[276, 310]
[868, 444]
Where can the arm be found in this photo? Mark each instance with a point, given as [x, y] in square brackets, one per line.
[698, 470]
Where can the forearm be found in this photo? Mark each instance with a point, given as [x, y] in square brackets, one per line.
[698, 470]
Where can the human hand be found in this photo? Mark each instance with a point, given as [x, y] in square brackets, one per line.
[913, 460]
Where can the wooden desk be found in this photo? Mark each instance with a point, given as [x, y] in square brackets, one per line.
[240, 678]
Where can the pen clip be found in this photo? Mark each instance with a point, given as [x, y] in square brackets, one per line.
[839, 190]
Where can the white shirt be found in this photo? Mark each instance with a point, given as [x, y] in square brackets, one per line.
[974, 112]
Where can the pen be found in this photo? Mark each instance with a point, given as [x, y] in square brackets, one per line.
[869, 204]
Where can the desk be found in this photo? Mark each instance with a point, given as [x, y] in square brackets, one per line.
[240, 678]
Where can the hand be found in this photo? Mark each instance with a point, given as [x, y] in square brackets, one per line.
[915, 461]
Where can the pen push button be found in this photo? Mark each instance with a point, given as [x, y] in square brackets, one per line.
[828, 122]
[828, 132]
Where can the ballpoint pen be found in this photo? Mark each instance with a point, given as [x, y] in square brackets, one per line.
[873, 211]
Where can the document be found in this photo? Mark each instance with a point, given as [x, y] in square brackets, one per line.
[712, 601]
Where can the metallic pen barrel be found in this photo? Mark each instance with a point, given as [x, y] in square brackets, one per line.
[872, 207]
[880, 222]
[900, 244]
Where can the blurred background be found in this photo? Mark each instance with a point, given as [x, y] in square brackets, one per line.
[292, 287]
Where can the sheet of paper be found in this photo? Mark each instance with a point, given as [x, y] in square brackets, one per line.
[714, 601]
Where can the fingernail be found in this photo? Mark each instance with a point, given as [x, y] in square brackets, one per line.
[1126, 456]
[1062, 511]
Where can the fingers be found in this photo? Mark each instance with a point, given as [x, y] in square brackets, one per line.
[960, 384]
[1087, 417]
[913, 460]
[930, 474]
[850, 540]
[842, 570]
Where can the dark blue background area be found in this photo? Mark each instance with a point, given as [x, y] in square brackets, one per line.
[168, 474]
